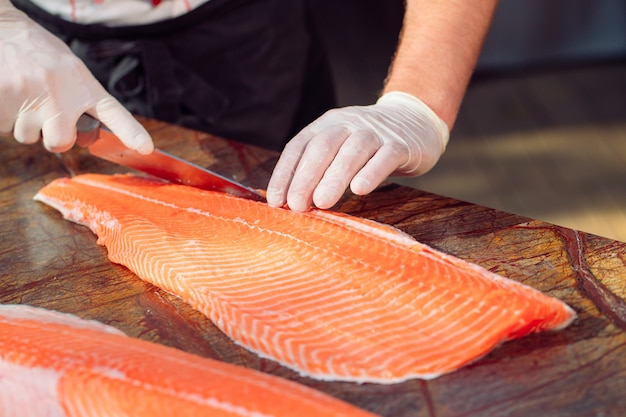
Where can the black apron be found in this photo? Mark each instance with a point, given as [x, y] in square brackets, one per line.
[247, 70]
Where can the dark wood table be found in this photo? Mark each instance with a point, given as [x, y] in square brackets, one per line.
[49, 262]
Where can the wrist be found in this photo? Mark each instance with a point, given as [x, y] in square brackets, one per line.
[421, 111]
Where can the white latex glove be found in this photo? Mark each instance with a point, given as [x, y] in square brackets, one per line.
[358, 147]
[44, 88]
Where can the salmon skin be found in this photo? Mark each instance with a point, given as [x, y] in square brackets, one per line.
[57, 365]
[331, 296]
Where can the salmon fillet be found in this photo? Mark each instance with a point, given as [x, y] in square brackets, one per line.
[331, 296]
[57, 365]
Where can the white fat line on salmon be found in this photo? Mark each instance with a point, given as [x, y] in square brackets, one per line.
[327, 251]
[11, 312]
[387, 233]
[370, 228]
[406, 241]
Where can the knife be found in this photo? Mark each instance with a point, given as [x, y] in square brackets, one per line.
[102, 143]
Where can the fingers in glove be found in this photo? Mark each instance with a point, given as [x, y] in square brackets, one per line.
[44, 119]
[29, 118]
[317, 157]
[282, 174]
[59, 132]
[385, 161]
[354, 153]
[27, 128]
[301, 166]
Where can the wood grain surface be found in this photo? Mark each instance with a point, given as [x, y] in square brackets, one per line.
[49, 262]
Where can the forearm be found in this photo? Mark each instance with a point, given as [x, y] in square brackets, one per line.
[439, 45]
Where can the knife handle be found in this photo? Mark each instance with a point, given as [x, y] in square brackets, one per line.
[86, 130]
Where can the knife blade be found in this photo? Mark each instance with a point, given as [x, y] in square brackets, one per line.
[104, 144]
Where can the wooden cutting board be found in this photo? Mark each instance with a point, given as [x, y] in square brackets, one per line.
[49, 262]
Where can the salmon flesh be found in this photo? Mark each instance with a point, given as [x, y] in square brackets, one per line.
[332, 296]
[57, 365]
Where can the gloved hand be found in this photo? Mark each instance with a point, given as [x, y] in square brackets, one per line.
[44, 88]
[359, 147]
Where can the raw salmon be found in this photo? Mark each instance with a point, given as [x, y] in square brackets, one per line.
[57, 365]
[331, 296]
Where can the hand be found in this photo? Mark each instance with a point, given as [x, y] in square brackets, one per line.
[45, 88]
[359, 147]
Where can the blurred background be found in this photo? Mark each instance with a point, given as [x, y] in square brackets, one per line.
[542, 130]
